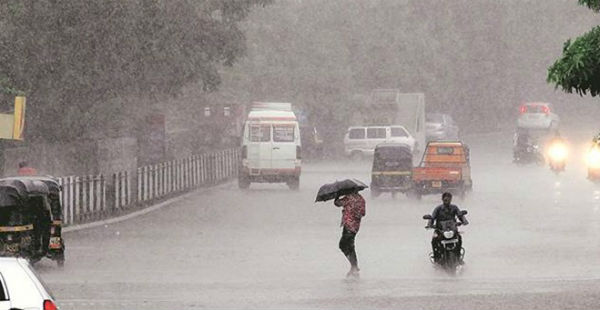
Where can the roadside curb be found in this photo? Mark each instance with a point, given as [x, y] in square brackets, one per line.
[137, 213]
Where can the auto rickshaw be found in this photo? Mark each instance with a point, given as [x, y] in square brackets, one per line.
[392, 169]
[25, 219]
[56, 244]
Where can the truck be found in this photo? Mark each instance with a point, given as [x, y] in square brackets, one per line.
[392, 107]
[445, 166]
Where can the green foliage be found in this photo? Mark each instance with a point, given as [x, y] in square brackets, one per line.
[578, 69]
[71, 56]
[592, 4]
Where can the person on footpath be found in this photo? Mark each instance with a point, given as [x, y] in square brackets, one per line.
[25, 169]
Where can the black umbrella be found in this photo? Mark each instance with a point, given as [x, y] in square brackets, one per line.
[339, 188]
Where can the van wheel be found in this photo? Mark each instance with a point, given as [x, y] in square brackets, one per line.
[294, 183]
[243, 182]
[356, 156]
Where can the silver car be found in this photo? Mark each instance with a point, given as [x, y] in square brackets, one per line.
[21, 288]
[537, 115]
[440, 127]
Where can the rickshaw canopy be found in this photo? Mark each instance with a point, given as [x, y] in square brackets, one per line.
[392, 156]
[53, 186]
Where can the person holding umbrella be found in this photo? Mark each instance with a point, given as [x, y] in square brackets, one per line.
[346, 195]
[353, 209]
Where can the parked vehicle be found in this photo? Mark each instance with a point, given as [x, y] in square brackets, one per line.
[271, 147]
[391, 107]
[537, 115]
[440, 127]
[56, 244]
[360, 141]
[392, 169]
[22, 288]
[25, 219]
[445, 166]
[450, 255]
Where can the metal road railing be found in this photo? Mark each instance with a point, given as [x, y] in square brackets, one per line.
[96, 197]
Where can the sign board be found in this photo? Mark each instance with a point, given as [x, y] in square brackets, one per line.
[12, 125]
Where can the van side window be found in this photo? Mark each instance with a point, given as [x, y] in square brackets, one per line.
[399, 132]
[357, 133]
[375, 133]
[283, 133]
[260, 133]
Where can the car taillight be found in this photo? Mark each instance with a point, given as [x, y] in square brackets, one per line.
[298, 152]
[244, 152]
[546, 109]
[49, 305]
[523, 109]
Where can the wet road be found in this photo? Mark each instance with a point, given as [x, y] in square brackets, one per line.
[532, 243]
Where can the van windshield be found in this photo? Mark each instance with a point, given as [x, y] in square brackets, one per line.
[283, 133]
[260, 133]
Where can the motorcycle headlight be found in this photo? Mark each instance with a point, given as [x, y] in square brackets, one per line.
[593, 159]
[448, 234]
[558, 152]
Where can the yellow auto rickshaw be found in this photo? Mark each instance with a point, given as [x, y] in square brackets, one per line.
[52, 236]
[392, 169]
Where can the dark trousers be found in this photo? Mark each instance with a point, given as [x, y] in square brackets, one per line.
[347, 246]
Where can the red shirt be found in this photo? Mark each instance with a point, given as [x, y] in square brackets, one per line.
[353, 210]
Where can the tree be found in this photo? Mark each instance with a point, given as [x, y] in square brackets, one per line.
[75, 59]
[578, 69]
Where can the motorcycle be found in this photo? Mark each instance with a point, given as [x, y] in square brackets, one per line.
[557, 154]
[450, 256]
[531, 154]
[593, 163]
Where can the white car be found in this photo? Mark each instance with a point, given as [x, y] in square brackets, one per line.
[537, 115]
[21, 288]
[360, 141]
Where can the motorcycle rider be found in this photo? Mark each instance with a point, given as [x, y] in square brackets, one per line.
[445, 212]
[596, 140]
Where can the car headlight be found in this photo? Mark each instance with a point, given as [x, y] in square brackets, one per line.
[448, 234]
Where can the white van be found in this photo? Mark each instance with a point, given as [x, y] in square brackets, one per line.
[271, 150]
[361, 141]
